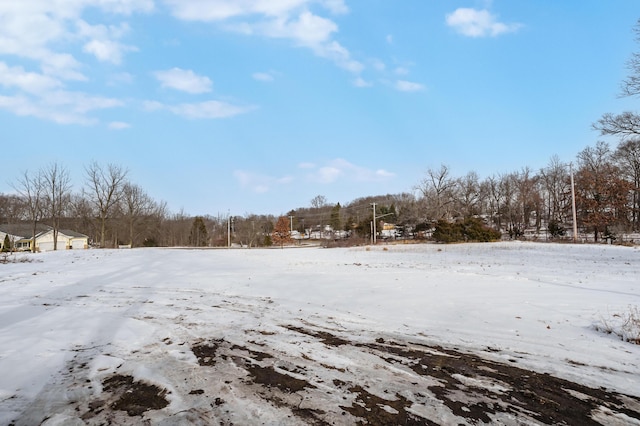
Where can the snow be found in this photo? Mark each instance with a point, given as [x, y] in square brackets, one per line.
[139, 312]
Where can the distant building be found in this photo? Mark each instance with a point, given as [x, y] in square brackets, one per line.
[20, 236]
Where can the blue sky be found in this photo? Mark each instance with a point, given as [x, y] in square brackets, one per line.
[257, 106]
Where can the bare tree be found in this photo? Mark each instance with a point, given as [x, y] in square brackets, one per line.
[626, 124]
[318, 201]
[12, 208]
[438, 190]
[555, 185]
[468, 194]
[136, 205]
[57, 192]
[627, 156]
[601, 194]
[105, 188]
[31, 188]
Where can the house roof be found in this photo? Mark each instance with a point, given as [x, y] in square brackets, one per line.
[73, 234]
[25, 231]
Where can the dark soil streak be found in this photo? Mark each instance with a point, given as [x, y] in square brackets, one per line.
[541, 396]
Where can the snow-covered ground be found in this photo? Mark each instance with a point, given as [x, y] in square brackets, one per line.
[312, 335]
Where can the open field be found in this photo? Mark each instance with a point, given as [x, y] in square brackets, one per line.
[509, 333]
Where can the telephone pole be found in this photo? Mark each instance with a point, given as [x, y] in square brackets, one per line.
[373, 237]
[573, 206]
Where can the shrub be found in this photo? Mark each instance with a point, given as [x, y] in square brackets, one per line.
[447, 232]
[472, 229]
[555, 229]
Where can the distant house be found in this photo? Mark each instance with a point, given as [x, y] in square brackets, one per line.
[20, 236]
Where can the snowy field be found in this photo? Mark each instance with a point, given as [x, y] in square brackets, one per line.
[414, 334]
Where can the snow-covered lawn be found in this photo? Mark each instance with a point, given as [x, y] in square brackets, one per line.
[319, 336]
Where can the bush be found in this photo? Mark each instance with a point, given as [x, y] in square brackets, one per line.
[447, 232]
[555, 229]
[471, 229]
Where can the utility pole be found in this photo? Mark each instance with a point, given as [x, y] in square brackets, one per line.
[229, 231]
[291, 218]
[573, 206]
[374, 223]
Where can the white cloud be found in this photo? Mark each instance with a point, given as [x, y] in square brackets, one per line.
[60, 106]
[45, 31]
[478, 23]
[259, 183]
[108, 50]
[284, 19]
[408, 86]
[28, 81]
[401, 71]
[339, 55]
[263, 76]
[360, 82]
[35, 28]
[184, 80]
[336, 6]
[103, 41]
[341, 169]
[200, 110]
[119, 125]
[308, 29]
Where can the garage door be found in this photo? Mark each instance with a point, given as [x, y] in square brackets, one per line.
[46, 246]
[78, 244]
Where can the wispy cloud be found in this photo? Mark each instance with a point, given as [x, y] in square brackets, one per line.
[51, 36]
[284, 19]
[263, 76]
[200, 110]
[340, 169]
[409, 86]
[478, 23]
[62, 107]
[360, 82]
[119, 125]
[17, 77]
[259, 183]
[184, 80]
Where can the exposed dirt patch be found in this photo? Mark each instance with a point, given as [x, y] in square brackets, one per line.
[206, 352]
[269, 377]
[503, 387]
[373, 410]
[325, 337]
[134, 397]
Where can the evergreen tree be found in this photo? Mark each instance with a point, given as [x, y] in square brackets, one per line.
[6, 246]
[335, 217]
[198, 237]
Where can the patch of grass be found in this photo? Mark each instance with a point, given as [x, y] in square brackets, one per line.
[625, 325]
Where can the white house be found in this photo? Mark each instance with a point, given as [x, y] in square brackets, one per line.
[20, 237]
